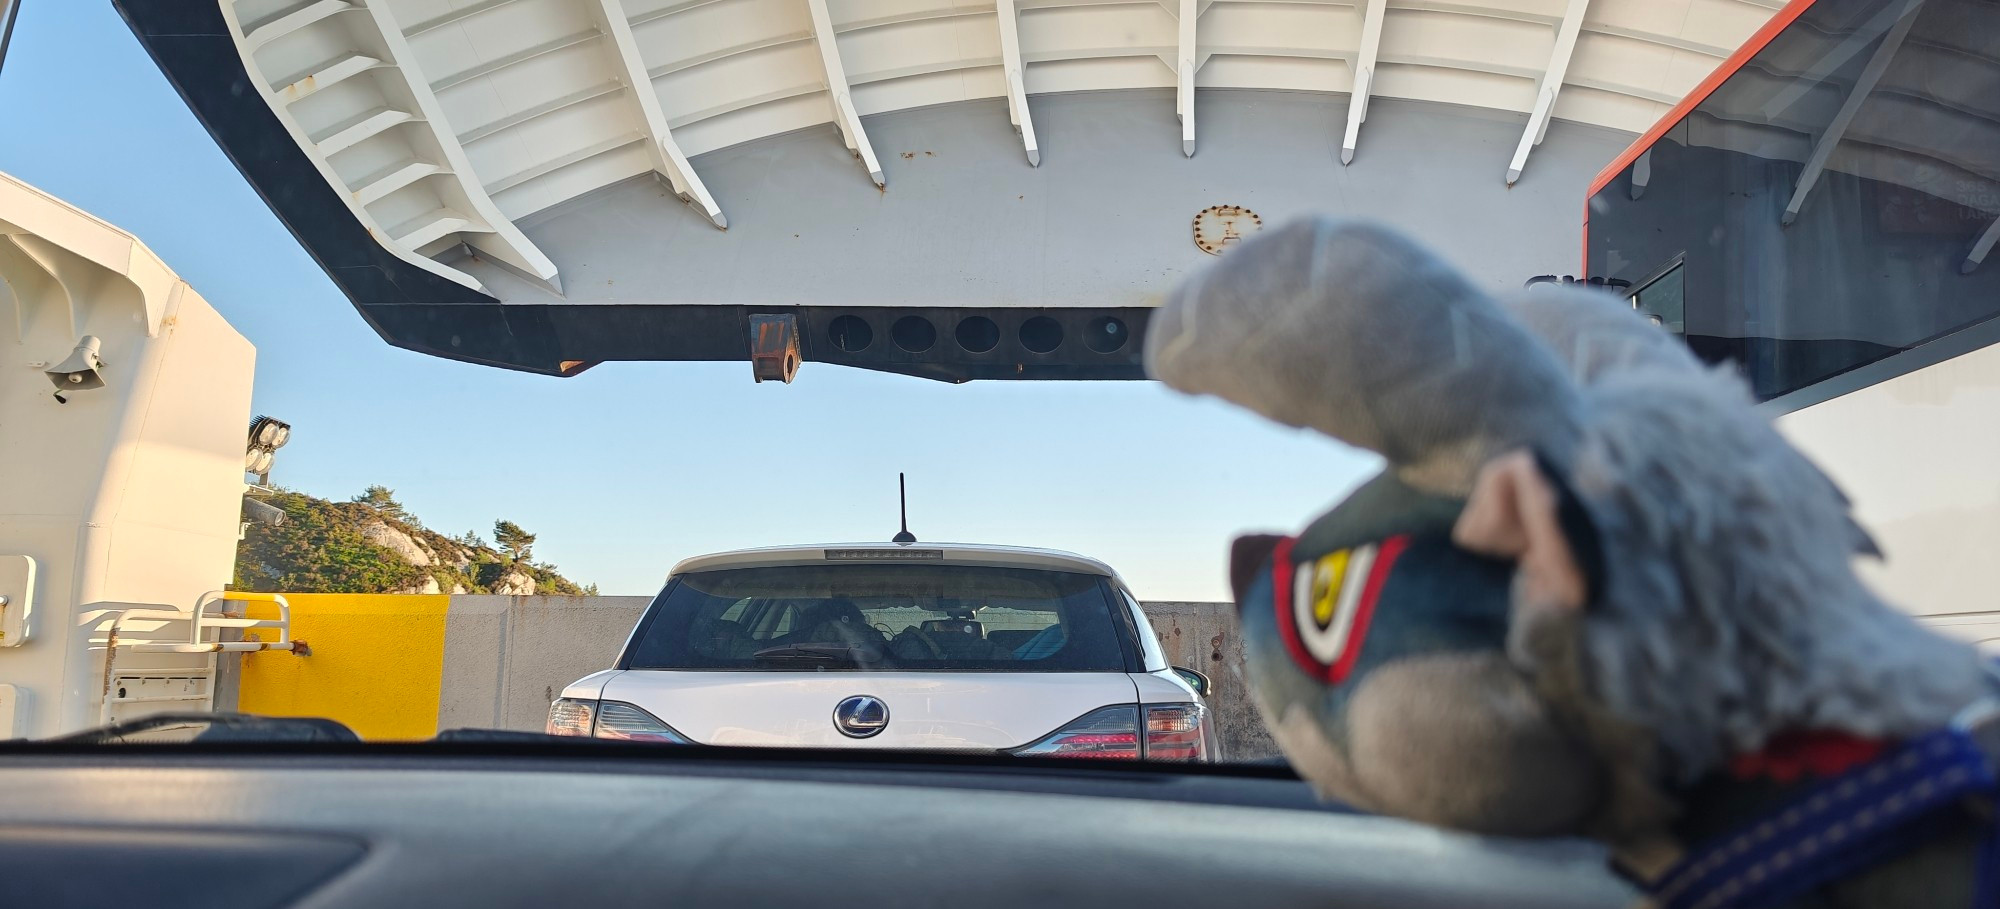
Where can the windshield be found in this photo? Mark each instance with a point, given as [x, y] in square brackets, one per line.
[926, 618]
[1601, 435]
[526, 329]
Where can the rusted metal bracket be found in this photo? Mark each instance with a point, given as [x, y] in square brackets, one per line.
[774, 347]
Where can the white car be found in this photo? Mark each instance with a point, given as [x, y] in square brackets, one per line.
[896, 645]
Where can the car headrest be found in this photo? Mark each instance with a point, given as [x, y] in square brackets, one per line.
[836, 609]
[969, 627]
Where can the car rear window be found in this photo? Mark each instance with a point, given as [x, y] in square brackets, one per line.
[911, 618]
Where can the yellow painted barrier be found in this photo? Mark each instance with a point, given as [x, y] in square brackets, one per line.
[376, 665]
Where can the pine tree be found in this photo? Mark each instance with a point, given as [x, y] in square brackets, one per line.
[383, 500]
[513, 540]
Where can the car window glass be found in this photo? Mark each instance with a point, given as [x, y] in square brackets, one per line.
[882, 617]
[1153, 657]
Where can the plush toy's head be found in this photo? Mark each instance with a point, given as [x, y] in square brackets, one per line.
[1589, 572]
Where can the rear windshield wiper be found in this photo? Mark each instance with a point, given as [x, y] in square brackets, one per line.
[852, 653]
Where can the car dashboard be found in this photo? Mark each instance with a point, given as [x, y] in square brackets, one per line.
[521, 821]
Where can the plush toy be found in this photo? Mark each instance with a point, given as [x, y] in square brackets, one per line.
[1593, 592]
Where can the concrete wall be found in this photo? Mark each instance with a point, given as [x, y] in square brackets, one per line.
[375, 663]
[506, 657]
[1202, 636]
[407, 666]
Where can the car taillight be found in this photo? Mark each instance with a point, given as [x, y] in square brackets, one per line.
[1109, 732]
[608, 720]
[1174, 732]
[570, 716]
[625, 722]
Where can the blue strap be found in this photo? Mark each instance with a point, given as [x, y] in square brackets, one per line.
[1986, 892]
[1850, 821]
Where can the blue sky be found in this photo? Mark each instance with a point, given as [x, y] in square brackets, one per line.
[631, 466]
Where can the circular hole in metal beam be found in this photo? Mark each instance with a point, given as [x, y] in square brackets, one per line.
[1041, 334]
[915, 334]
[978, 334]
[1105, 334]
[850, 333]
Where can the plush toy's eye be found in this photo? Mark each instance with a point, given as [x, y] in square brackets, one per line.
[1324, 605]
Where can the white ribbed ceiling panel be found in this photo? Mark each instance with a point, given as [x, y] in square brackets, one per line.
[444, 120]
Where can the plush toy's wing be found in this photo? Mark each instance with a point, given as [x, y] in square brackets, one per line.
[1355, 331]
[1596, 334]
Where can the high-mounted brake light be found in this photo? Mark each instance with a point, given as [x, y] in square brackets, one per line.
[883, 555]
[1173, 732]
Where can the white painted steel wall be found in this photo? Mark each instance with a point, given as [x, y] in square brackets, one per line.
[129, 493]
[1920, 456]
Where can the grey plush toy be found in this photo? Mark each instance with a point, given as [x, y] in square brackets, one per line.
[1593, 592]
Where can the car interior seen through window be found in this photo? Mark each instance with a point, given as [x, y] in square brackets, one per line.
[883, 618]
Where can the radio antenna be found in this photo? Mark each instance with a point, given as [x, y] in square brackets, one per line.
[903, 508]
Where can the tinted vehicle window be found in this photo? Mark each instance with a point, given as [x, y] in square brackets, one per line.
[1663, 301]
[1835, 202]
[913, 618]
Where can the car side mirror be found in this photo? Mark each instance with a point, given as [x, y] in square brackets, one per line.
[1198, 681]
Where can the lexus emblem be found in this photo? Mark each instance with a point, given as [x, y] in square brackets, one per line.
[861, 716]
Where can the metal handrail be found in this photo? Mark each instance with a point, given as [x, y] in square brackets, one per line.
[199, 620]
[284, 621]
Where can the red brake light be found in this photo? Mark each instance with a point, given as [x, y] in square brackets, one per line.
[1116, 738]
[1109, 732]
[1173, 732]
[1120, 745]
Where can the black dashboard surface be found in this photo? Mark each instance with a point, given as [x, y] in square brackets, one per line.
[374, 826]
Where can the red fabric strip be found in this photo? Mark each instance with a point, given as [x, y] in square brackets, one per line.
[1791, 755]
[1282, 571]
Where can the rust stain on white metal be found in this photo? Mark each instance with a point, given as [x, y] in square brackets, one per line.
[1218, 227]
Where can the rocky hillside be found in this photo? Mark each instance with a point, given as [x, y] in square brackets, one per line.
[372, 545]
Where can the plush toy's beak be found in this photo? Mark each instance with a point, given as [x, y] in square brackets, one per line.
[1377, 653]
[1381, 672]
